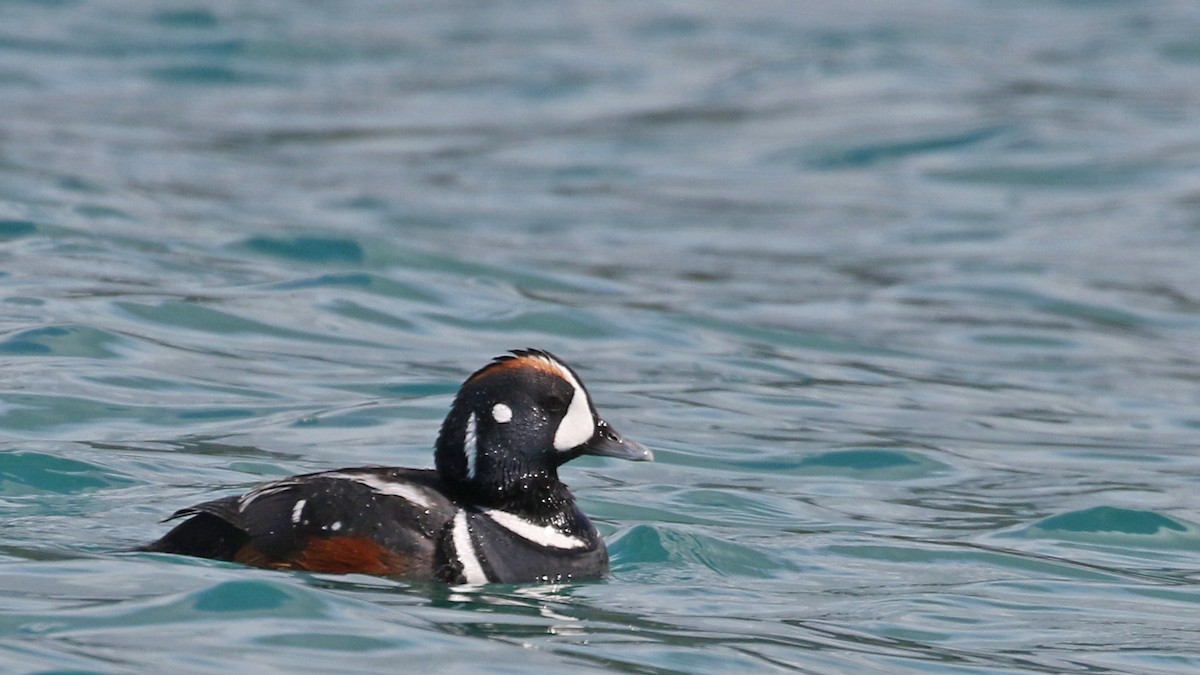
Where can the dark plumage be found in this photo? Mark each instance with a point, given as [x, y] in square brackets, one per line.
[494, 509]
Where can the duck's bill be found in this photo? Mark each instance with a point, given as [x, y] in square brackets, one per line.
[608, 443]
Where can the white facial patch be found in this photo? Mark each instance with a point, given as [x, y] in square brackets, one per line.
[502, 413]
[577, 426]
[471, 445]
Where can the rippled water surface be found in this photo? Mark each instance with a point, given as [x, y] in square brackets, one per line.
[905, 296]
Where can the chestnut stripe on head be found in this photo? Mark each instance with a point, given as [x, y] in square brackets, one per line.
[522, 359]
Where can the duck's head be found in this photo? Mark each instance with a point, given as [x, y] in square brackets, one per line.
[519, 418]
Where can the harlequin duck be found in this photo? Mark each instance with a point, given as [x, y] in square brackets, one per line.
[493, 510]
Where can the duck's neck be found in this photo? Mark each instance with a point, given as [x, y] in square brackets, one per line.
[536, 496]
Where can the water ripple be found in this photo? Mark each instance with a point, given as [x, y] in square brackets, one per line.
[903, 298]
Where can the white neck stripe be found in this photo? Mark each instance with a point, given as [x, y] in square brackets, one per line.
[542, 535]
[464, 549]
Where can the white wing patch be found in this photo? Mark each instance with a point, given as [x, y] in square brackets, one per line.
[298, 511]
[542, 535]
[465, 549]
[405, 491]
[266, 490]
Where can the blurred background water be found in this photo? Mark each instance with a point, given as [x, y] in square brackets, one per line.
[903, 295]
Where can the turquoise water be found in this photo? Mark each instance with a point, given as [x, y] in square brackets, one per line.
[903, 295]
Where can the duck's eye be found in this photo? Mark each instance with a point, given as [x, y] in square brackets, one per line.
[554, 404]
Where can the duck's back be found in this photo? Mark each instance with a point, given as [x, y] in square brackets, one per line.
[373, 520]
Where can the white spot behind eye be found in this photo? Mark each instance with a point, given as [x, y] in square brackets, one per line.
[501, 413]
